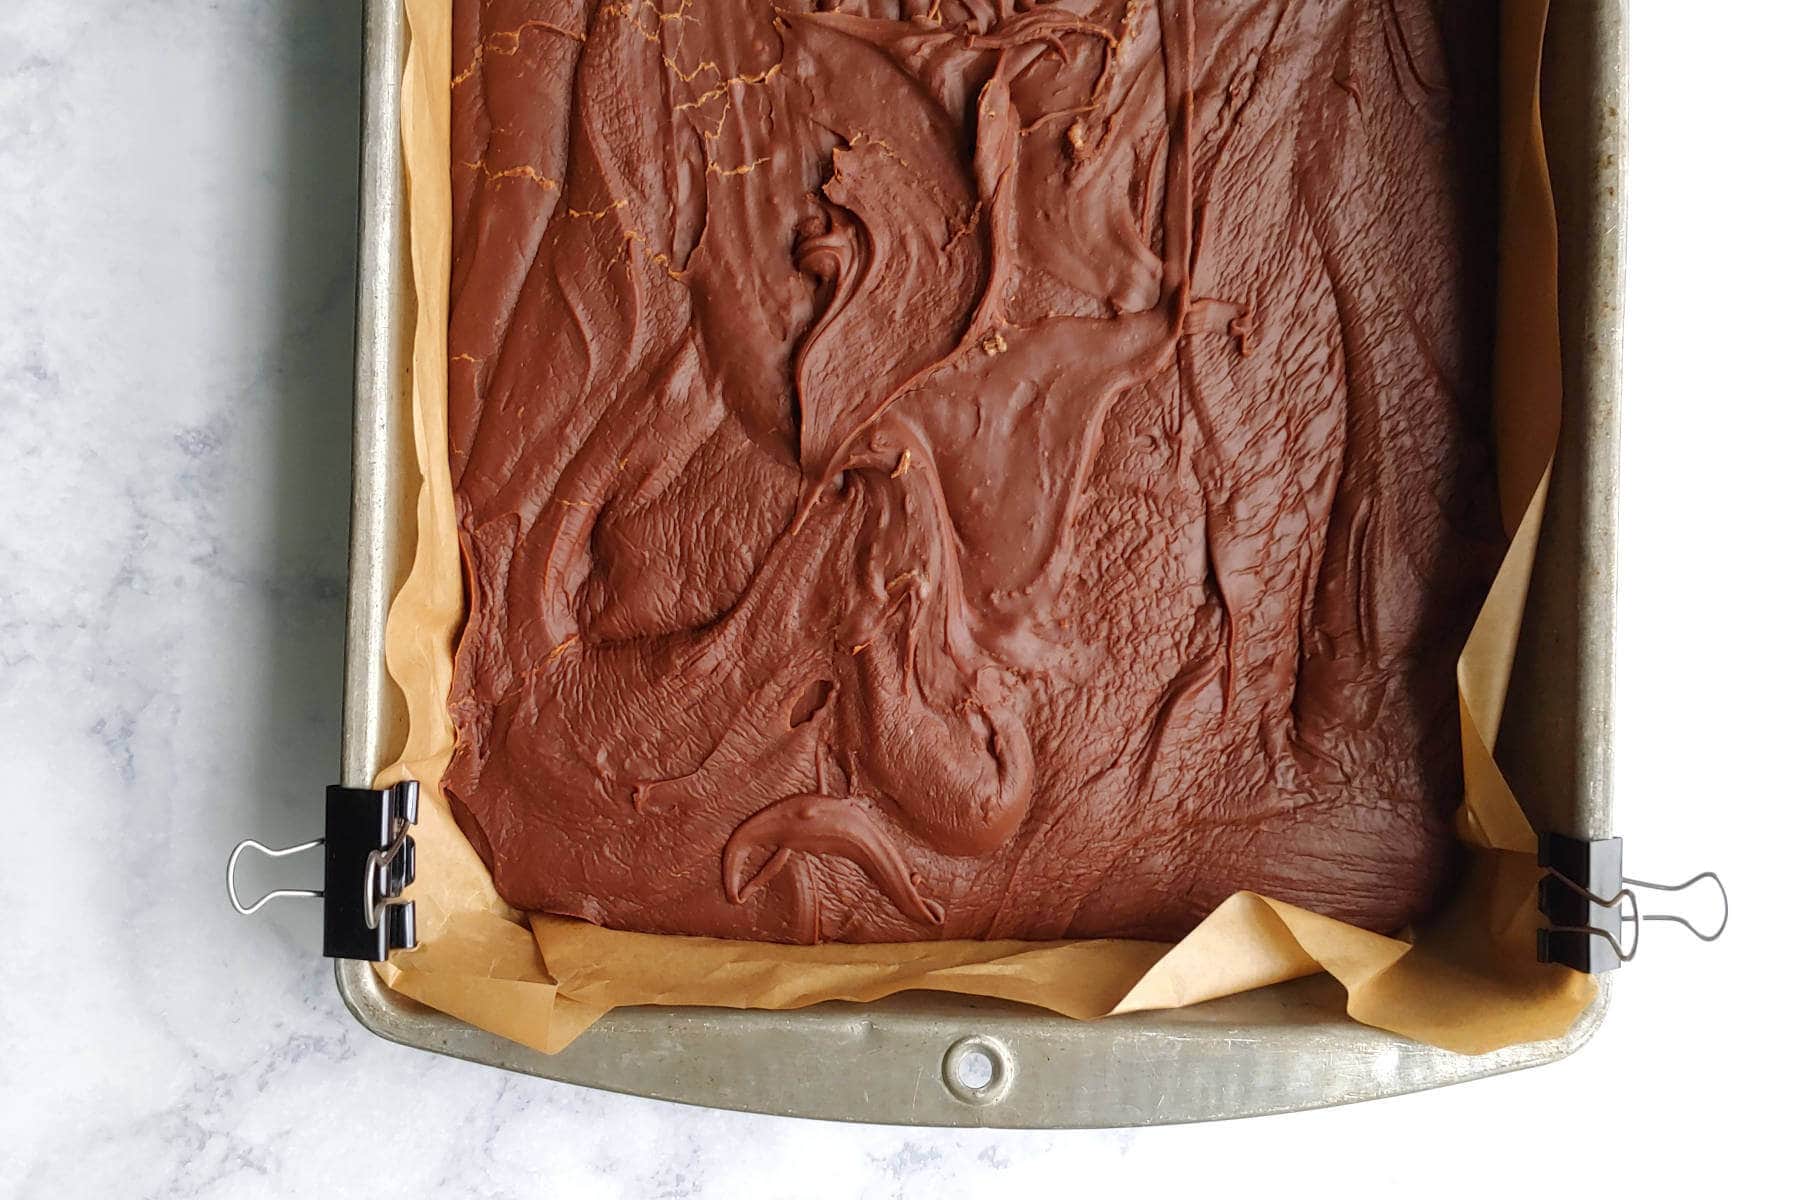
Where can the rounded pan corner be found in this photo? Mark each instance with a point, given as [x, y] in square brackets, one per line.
[356, 984]
[370, 1001]
[1587, 1025]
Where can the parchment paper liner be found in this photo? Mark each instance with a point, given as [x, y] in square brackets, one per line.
[1470, 981]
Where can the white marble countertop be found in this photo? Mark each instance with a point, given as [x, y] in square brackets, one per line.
[177, 210]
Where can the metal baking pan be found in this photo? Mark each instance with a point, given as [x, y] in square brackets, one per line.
[900, 1060]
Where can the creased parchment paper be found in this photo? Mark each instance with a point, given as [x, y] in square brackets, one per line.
[1469, 981]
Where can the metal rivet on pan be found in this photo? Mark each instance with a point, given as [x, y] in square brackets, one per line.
[977, 1070]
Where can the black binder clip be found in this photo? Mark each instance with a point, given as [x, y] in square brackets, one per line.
[1589, 903]
[369, 860]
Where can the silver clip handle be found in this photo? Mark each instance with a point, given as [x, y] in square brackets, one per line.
[1631, 913]
[1702, 877]
[376, 899]
[279, 893]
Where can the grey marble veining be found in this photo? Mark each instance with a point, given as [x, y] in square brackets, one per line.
[177, 210]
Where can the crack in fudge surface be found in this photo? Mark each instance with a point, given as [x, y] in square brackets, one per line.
[966, 469]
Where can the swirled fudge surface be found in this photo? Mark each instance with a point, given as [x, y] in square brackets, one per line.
[966, 468]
